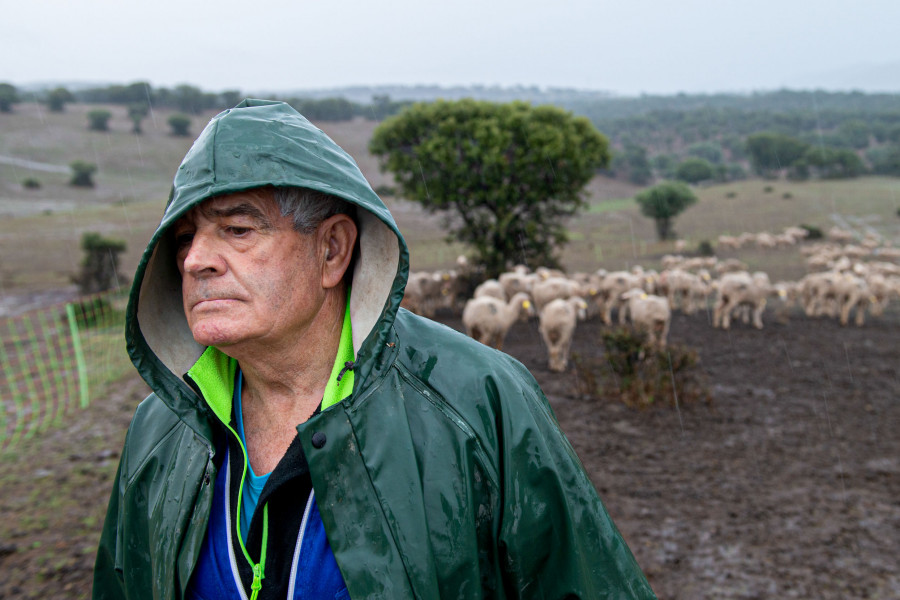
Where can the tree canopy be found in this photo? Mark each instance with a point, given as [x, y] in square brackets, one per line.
[9, 95]
[772, 152]
[505, 175]
[663, 203]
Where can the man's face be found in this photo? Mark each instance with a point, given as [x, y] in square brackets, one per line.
[246, 275]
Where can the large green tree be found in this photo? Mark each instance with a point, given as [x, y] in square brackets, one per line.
[772, 152]
[9, 95]
[505, 175]
[663, 203]
[57, 99]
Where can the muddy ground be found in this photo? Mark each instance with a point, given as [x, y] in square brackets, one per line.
[786, 486]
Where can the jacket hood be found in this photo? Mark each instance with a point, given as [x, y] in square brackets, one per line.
[260, 143]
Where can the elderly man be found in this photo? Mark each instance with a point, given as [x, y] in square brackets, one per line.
[305, 437]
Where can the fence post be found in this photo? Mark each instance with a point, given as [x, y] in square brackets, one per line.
[79, 355]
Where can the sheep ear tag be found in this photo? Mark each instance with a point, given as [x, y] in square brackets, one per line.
[526, 304]
[643, 296]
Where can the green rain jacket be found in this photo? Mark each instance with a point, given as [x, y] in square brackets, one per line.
[444, 473]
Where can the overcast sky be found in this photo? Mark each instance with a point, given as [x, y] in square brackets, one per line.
[624, 46]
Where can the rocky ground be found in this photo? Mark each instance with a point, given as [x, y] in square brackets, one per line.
[786, 485]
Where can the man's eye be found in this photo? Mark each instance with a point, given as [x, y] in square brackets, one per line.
[183, 240]
[238, 231]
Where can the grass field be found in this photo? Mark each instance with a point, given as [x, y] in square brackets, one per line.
[40, 229]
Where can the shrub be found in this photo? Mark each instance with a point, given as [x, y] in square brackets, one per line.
[639, 376]
[787, 195]
[731, 195]
[98, 120]
[31, 183]
[814, 232]
[100, 266]
[694, 170]
[704, 248]
[768, 189]
[180, 124]
[82, 173]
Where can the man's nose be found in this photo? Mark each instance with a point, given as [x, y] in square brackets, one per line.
[203, 258]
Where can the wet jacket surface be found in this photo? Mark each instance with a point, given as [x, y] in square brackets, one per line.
[443, 475]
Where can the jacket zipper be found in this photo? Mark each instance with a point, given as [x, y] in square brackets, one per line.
[257, 568]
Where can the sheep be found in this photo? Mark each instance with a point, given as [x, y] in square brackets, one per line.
[841, 236]
[686, 289]
[728, 242]
[553, 288]
[852, 292]
[611, 289]
[516, 281]
[815, 293]
[488, 319]
[731, 265]
[490, 287]
[423, 291]
[557, 325]
[650, 314]
[735, 290]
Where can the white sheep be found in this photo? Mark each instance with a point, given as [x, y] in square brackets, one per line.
[490, 287]
[686, 290]
[554, 288]
[736, 290]
[650, 314]
[488, 319]
[557, 326]
[613, 286]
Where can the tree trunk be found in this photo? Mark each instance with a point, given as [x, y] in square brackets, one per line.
[663, 227]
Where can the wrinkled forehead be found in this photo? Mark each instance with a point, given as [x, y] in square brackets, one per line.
[258, 204]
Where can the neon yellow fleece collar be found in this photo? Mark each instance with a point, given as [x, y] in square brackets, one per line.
[214, 373]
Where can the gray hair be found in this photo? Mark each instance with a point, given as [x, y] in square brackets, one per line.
[308, 208]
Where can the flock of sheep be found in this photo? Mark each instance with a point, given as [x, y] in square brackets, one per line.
[843, 277]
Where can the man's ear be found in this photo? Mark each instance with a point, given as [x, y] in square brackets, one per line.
[337, 235]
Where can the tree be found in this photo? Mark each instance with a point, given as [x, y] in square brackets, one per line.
[100, 266]
[137, 112]
[709, 151]
[9, 95]
[505, 175]
[98, 119]
[694, 170]
[663, 203]
[834, 163]
[772, 152]
[180, 124]
[634, 162]
[57, 99]
[82, 173]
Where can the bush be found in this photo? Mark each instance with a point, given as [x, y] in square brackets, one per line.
[814, 232]
[82, 173]
[787, 195]
[98, 120]
[768, 189]
[694, 170]
[639, 376]
[704, 248]
[100, 266]
[180, 124]
[31, 183]
[731, 195]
